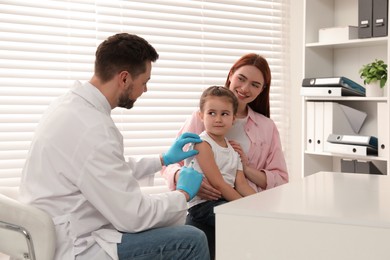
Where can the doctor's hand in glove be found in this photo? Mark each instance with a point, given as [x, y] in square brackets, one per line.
[189, 181]
[176, 154]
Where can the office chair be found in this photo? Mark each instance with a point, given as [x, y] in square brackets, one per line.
[25, 231]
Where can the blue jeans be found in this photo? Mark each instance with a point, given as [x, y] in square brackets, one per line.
[177, 242]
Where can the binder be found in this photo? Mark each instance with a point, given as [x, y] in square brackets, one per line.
[348, 165]
[337, 121]
[379, 18]
[366, 167]
[319, 126]
[358, 166]
[365, 18]
[326, 118]
[383, 129]
[349, 149]
[310, 116]
[328, 92]
[366, 140]
[333, 82]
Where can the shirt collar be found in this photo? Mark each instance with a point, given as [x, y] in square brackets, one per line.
[252, 115]
[92, 95]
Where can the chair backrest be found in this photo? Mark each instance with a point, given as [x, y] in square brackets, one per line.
[25, 231]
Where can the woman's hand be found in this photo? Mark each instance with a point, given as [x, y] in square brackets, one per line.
[258, 177]
[207, 192]
[237, 147]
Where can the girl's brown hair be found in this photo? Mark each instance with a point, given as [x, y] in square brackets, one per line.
[219, 91]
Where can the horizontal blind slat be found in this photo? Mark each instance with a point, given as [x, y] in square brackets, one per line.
[46, 45]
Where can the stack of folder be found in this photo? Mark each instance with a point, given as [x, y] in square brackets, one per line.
[334, 128]
[332, 87]
[353, 144]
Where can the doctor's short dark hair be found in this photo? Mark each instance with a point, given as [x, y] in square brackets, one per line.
[219, 91]
[123, 52]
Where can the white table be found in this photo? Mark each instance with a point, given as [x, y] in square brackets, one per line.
[323, 216]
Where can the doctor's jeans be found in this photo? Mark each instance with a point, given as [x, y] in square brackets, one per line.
[173, 243]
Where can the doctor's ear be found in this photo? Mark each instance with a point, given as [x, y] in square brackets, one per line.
[123, 76]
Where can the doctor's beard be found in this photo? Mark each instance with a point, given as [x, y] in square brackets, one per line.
[125, 101]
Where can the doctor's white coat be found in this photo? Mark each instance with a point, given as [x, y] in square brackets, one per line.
[76, 172]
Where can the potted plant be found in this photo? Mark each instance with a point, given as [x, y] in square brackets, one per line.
[374, 75]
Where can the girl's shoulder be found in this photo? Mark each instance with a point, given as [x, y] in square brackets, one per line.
[206, 138]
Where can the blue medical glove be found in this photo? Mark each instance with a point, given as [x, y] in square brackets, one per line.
[176, 154]
[189, 181]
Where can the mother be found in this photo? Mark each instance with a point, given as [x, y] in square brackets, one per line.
[254, 135]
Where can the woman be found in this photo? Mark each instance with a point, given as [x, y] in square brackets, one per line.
[254, 135]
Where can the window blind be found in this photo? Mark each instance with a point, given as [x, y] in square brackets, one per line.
[46, 45]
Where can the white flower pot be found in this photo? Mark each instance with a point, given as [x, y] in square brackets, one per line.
[374, 90]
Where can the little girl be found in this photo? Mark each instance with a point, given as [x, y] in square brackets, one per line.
[217, 160]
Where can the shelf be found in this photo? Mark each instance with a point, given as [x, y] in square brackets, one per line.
[333, 58]
[350, 43]
[349, 156]
[373, 99]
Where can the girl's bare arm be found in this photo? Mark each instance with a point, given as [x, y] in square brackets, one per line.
[211, 171]
[242, 186]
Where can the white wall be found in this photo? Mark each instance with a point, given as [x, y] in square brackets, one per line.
[296, 63]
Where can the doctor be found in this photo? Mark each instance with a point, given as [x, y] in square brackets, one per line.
[76, 170]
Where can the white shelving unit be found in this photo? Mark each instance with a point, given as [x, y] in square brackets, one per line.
[342, 59]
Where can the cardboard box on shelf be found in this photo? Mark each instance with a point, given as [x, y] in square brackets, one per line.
[338, 34]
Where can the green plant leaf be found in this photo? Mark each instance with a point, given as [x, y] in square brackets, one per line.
[376, 70]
